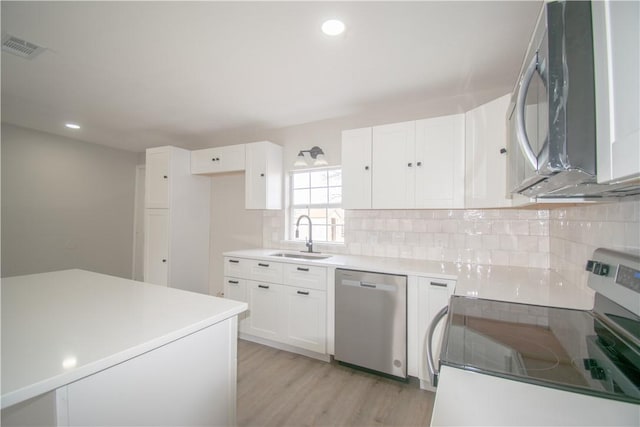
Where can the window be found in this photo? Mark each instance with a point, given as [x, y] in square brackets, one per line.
[318, 194]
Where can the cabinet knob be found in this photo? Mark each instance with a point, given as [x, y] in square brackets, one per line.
[419, 163]
[165, 176]
[164, 260]
[410, 164]
[503, 150]
[366, 168]
[262, 175]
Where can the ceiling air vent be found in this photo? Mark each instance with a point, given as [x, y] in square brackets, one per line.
[19, 47]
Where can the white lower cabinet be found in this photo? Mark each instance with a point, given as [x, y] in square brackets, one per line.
[236, 289]
[306, 318]
[287, 302]
[265, 314]
[426, 296]
[156, 249]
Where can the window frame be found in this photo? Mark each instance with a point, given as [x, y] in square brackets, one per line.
[310, 206]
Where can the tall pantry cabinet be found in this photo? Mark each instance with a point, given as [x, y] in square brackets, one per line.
[176, 246]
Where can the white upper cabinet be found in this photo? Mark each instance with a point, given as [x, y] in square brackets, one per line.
[439, 162]
[356, 168]
[616, 32]
[218, 159]
[419, 164]
[485, 155]
[263, 176]
[157, 178]
[393, 174]
[415, 164]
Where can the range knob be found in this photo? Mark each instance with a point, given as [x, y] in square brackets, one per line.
[598, 268]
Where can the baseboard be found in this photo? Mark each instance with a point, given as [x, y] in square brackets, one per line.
[285, 347]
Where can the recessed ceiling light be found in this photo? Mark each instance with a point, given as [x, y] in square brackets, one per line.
[72, 126]
[333, 27]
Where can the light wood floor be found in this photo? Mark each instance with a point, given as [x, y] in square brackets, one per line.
[278, 388]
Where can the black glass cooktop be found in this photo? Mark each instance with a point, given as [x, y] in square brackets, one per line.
[554, 347]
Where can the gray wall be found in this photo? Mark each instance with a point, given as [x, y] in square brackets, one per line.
[65, 204]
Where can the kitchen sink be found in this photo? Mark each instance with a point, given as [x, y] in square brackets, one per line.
[301, 256]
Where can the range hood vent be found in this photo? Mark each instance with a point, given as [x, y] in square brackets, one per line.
[19, 47]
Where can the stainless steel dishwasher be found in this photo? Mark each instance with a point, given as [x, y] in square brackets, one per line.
[371, 321]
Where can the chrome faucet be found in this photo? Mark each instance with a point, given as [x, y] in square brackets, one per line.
[309, 242]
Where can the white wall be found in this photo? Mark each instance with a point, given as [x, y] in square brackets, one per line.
[65, 204]
[232, 226]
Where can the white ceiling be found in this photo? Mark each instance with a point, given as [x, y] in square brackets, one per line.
[143, 74]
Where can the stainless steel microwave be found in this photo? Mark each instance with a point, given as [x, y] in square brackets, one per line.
[551, 117]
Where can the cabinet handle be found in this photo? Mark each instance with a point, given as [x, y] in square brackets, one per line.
[263, 286]
[302, 269]
[262, 175]
[164, 260]
[438, 284]
[263, 265]
[303, 292]
[233, 282]
[419, 163]
[503, 150]
[164, 176]
[234, 261]
[366, 168]
[410, 164]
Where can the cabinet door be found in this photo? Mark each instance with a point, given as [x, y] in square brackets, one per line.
[616, 31]
[157, 179]
[306, 318]
[486, 159]
[356, 168]
[439, 162]
[265, 317]
[218, 159]
[263, 176]
[156, 261]
[393, 173]
[433, 294]
[236, 289]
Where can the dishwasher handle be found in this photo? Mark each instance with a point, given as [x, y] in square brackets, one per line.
[433, 374]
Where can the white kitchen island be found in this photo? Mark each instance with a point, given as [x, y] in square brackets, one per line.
[82, 349]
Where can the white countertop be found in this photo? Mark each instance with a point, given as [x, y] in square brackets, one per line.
[467, 398]
[514, 284]
[62, 326]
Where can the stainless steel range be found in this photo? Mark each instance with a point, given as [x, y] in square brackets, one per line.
[594, 352]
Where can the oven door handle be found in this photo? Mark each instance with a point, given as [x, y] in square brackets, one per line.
[433, 374]
[521, 130]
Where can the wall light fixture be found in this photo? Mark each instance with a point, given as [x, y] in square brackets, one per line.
[315, 155]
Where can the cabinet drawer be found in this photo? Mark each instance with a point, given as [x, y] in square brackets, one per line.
[265, 271]
[236, 267]
[218, 159]
[235, 289]
[305, 276]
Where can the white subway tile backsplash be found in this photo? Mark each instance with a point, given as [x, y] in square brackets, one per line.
[560, 238]
[575, 232]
